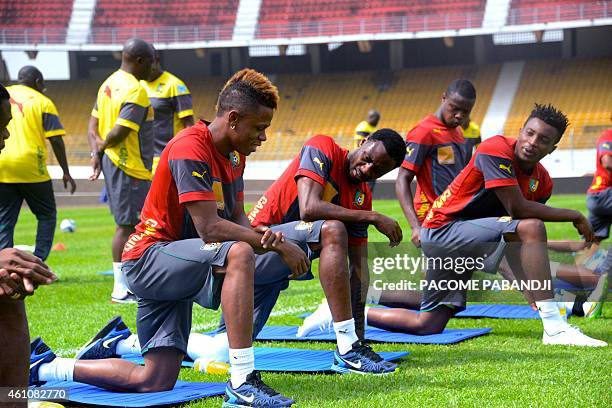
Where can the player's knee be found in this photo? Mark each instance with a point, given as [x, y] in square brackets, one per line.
[334, 231]
[242, 254]
[532, 229]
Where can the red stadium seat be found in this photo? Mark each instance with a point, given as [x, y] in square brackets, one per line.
[545, 11]
[287, 18]
[37, 16]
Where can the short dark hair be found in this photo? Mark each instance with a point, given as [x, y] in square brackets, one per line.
[393, 142]
[463, 87]
[551, 116]
[4, 93]
[245, 90]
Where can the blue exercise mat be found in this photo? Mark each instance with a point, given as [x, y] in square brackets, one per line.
[494, 311]
[288, 360]
[91, 395]
[106, 273]
[448, 336]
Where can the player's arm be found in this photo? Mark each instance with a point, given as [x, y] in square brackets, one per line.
[405, 198]
[360, 280]
[518, 207]
[59, 149]
[212, 228]
[92, 134]
[313, 207]
[117, 135]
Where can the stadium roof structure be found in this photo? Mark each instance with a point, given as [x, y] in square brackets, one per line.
[486, 21]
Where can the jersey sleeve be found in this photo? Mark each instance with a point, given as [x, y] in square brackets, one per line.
[604, 147]
[494, 160]
[316, 159]
[191, 174]
[181, 99]
[51, 122]
[134, 109]
[94, 110]
[363, 129]
[418, 146]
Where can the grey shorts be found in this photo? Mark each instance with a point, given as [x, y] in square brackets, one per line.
[167, 279]
[600, 212]
[270, 267]
[480, 240]
[126, 194]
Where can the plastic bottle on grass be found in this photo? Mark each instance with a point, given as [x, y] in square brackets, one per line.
[211, 366]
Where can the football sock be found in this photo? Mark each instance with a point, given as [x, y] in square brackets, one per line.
[119, 286]
[60, 369]
[345, 335]
[131, 345]
[242, 362]
[214, 348]
[551, 318]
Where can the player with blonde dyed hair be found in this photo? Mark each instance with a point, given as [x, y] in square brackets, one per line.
[194, 244]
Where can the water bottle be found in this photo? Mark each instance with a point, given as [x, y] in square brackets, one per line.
[211, 366]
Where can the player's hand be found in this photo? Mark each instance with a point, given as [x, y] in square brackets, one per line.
[584, 228]
[96, 166]
[415, 236]
[26, 266]
[8, 284]
[390, 228]
[271, 239]
[295, 258]
[69, 180]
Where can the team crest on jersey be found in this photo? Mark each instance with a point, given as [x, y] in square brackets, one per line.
[303, 226]
[181, 89]
[211, 246]
[235, 158]
[359, 198]
[533, 185]
[160, 87]
[505, 218]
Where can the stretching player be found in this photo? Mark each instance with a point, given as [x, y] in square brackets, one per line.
[496, 198]
[324, 182]
[172, 106]
[193, 244]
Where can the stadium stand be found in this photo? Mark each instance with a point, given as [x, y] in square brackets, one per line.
[545, 11]
[286, 18]
[193, 20]
[580, 88]
[40, 14]
[333, 103]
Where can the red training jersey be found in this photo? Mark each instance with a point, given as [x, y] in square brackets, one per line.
[322, 160]
[436, 154]
[471, 195]
[602, 179]
[190, 169]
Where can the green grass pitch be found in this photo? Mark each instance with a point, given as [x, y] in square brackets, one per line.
[509, 367]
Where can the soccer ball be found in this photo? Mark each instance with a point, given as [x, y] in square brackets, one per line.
[68, 225]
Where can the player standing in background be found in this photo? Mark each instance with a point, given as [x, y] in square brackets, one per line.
[365, 128]
[172, 106]
[435, 154]
[122, 147]
[20, 274]
[471, 133]
[23, 163]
